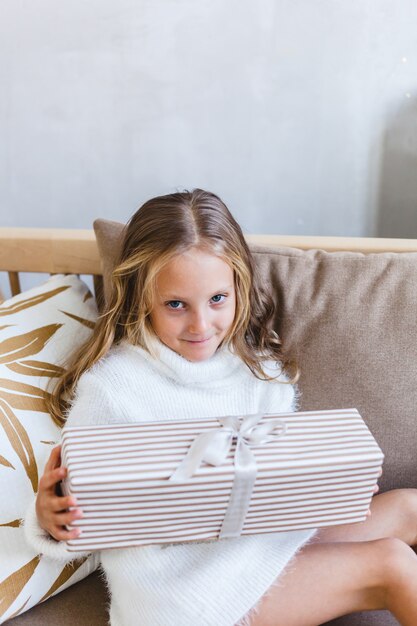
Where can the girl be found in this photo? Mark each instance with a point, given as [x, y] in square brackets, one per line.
[186, 334]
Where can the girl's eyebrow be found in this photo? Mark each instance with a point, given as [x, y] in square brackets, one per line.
[171, 296]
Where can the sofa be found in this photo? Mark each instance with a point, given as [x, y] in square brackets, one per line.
[346, 310]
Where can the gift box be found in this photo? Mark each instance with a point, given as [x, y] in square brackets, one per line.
[168, 481]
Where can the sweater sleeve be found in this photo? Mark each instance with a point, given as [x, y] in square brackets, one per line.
[41, 540]
[92, 405]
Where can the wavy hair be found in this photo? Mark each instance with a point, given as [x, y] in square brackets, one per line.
[162, 228]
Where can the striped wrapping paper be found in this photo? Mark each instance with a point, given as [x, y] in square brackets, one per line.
[322, 472]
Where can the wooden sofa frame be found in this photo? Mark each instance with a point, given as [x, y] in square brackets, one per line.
[74, 251]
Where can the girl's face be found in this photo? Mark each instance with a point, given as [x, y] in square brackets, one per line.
[195, 304]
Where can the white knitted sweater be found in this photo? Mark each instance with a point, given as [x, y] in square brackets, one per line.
[200, 584]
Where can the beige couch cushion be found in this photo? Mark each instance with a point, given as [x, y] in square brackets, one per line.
[350, 319]
[83, 604]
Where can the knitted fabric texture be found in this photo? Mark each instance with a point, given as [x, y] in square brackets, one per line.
[200, 584]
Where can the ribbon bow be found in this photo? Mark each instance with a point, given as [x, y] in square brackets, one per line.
[213, 446]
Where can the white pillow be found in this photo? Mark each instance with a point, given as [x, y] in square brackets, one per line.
[39, 329]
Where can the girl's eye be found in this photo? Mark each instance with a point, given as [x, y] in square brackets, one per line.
[175, 304]
[218, 298]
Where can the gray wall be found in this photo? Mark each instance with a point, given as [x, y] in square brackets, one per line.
[301, 114]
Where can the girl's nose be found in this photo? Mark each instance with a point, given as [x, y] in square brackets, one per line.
[198, 324]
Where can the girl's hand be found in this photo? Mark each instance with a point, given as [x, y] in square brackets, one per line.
[52, 509]
[376, 489]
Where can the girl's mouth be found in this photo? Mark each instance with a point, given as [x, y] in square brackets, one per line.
[198, 341]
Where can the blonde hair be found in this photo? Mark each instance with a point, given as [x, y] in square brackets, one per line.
[162, 228]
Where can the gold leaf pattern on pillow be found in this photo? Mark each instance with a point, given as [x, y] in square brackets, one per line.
[28, 302]
[87, 296]
[82, 320]
[5, 462]
[14, 524]
[20, 609]
[28, 344]
[11, 586]
[24, 402]
[20, 442]
[28, 398]
[36, 368]
[67, 572]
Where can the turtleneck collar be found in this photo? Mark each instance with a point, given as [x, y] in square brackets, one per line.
[219, 370]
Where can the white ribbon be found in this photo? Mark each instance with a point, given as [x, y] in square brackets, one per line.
[213, 446]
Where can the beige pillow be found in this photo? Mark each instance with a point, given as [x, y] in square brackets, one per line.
[109, 237]
[350, 319]
[38, 330]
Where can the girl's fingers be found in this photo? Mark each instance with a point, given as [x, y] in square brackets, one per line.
[376, 489]
[62, 503]
[62, 534]
[54, 459]
[66, 519]
[52, 477]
